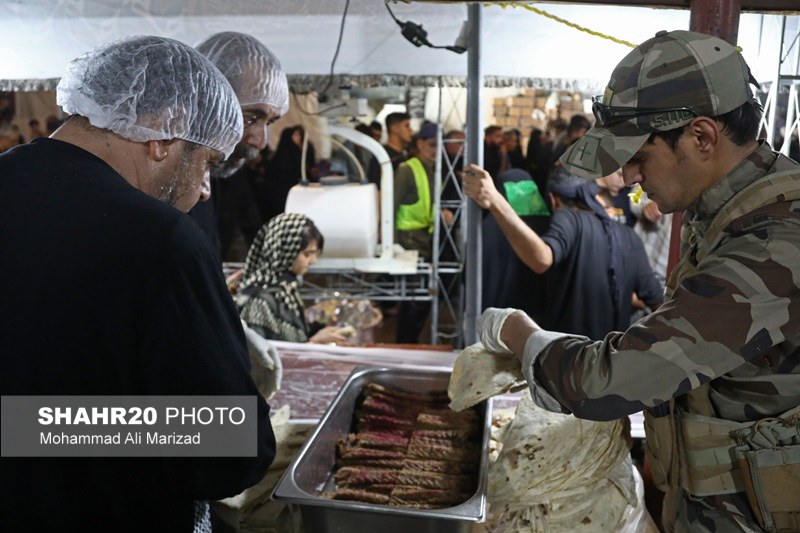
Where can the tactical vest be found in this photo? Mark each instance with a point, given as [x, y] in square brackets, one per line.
[418, 215]
[688, 447]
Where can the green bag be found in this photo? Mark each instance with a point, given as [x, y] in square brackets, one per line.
[525, 198]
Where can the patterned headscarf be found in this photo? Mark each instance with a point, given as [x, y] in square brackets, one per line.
[267, 271]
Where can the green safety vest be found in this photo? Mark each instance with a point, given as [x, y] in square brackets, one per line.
[418, 215]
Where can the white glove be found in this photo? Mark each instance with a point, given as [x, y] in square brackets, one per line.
[265, 363]
[261, 350]
[490, 324]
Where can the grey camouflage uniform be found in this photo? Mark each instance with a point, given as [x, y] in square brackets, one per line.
[734, 323]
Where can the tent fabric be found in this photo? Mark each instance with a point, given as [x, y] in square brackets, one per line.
[306, 83]
[519, 48]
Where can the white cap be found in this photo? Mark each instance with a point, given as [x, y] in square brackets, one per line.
[152, 88]
[252, 70]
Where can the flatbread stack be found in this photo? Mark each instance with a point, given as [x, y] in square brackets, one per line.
[559, 473]
[554, 472]
[479, 374]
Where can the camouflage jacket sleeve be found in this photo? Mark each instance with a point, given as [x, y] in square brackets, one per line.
[737, 311]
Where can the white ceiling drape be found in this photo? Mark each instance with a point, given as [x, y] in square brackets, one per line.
[41, 36]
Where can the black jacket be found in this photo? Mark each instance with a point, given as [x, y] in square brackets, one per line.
[106, 291]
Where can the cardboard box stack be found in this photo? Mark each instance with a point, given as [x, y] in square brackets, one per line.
[534, 108]
[519, 111]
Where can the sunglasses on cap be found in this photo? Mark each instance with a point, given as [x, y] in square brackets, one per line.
[608, 115]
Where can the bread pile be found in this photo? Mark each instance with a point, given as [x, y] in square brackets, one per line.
[556, 472]
[553, 472]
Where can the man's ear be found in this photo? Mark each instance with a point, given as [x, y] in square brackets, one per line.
[160, 149]
[705, 135]
[554, 200]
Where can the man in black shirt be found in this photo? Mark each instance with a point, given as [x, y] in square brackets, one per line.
[260, 84]
[582, 297]
[495, 158]
[109, 289]
[398, 138]
[398, 131]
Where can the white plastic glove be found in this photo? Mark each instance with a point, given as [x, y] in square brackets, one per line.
[265, 363]
[490, 324]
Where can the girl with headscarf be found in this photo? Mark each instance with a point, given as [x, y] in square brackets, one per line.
[269, 295]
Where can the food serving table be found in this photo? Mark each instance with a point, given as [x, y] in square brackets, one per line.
[313, 374]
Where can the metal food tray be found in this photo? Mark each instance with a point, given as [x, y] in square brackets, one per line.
[311, 472]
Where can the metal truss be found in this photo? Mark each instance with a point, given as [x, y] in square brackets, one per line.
[441, 280]
[785, 85]
[381, 287]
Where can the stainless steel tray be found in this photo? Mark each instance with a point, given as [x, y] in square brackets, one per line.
[311, 472]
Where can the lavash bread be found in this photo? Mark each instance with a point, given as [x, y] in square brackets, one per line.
[479, 374]
[556, 472]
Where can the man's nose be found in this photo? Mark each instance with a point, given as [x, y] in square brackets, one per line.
[631, 174]
[257, 135]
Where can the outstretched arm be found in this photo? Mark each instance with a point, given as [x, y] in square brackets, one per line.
[528, 246]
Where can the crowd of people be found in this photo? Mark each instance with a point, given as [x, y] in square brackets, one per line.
[114, 291]
[10, 133]
[553, 229]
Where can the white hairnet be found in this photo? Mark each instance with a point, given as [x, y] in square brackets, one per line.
[150, 88]
[253, 71]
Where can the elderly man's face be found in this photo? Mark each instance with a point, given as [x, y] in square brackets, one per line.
[257, 118]
[183, 178]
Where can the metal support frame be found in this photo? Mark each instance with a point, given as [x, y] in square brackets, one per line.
[448, 242]
[716, 17]
[787, 78]
[438, 282]
[474, 154]
[792, 118]
[413, 287]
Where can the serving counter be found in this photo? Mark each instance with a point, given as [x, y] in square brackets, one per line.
[314, 373]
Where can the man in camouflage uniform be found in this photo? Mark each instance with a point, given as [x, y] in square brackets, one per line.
[724, 350]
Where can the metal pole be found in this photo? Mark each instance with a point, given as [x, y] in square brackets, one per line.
[716, 17]
[775, 90]
[435, 284]
[474, 154]
[792, 112]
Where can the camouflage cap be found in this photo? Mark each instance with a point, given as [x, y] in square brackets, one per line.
[675, 76]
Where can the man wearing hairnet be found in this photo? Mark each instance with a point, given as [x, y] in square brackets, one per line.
[109, 289]
[263, 94]
[260, 85]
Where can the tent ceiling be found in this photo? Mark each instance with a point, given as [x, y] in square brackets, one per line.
[758, 6]
[519, 47]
